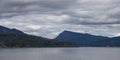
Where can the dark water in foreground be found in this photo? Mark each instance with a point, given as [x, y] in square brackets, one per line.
[83, 53]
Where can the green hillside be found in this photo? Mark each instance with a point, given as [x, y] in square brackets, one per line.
[23, 40]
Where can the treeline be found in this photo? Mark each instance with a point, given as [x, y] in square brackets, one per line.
[24, 40]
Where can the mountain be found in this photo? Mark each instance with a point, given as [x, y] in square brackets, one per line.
[113, 42]
[5, 30]
[88, 39]
[10, 38]
[79, 38]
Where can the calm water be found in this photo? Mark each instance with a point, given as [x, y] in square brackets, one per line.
[82, 53]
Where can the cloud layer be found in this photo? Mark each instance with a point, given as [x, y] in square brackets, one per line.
[48, 18]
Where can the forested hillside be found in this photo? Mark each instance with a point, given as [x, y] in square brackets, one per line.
[16, 38]
[13, 40]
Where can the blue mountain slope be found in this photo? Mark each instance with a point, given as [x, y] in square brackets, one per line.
[5, 30]
[79, 38]
[87, 39]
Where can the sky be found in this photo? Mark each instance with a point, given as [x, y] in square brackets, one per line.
[48, 18]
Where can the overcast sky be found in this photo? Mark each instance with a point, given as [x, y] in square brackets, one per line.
[48, 18]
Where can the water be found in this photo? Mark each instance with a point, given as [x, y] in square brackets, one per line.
[83, 53]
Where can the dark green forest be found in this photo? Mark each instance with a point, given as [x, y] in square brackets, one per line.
[24, 40]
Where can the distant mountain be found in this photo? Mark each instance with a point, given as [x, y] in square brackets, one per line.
[16, 38]
[5, 30]
[88, 39]
[79, 37]
[114, 42]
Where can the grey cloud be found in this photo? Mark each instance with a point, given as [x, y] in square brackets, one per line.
[114, 13]
[87, 22]
[91, 16]
[17, 5]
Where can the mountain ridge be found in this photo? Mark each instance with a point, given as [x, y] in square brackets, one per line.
[13, 38]
[85, 39]
[84, 33]
[16, 38]
[5, 30]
